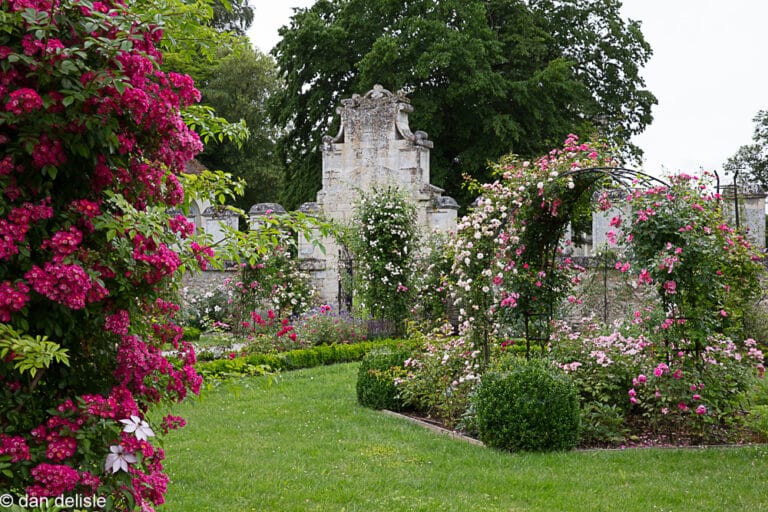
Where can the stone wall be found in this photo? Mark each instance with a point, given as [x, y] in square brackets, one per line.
[196, 284]
[751, 202]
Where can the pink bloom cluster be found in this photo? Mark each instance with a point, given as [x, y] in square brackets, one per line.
[171, 422]
[161, 259]
[15, 447]
[53, 480]
[118, 322]
[61, 448]
[16, 225]
[180, 225]
[48, 152]
[23, 101]
[63, 243]
[202, 254]
[66, 284]
[12, 298]
[119, 404]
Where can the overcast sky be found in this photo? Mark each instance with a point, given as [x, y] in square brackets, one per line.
[709, 72]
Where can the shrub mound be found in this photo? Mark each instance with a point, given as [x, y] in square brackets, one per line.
[376, 379]
[529, 405]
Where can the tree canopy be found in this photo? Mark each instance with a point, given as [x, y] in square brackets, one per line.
[753, 158]
[238, 89]
[196, 33]
[232, 16]
[485, 77]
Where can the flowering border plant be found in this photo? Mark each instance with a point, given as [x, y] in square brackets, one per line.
[93, 150]
[675, 394]
[440, 378]
[684, 362]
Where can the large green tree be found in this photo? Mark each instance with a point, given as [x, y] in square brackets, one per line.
[196, 35]
[485, 77]
[238, 89]
[752, 159]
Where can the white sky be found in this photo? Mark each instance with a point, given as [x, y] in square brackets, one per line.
[709, 71]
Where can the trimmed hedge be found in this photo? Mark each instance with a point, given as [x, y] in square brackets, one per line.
[296, 359]
[530, 406]
[376, 378]
[191, 334]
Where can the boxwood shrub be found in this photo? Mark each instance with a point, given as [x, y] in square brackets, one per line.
[376, 379]
[191, 334]
[527, 405]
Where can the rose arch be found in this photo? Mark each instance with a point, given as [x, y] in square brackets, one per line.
[512, 269]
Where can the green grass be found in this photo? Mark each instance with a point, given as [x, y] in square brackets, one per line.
[303, 443]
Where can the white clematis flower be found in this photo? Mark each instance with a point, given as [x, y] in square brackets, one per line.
[138, 427]
[118, 459]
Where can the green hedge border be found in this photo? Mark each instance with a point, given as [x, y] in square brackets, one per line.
[296, 359]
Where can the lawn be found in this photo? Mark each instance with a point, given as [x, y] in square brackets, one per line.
[303, 443]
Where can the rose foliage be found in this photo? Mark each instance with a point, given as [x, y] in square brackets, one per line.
[92, 146]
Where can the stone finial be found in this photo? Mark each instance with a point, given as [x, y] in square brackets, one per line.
[266, 209]
[378, 92]
[218, 212]
[309, 208]
[446, 203]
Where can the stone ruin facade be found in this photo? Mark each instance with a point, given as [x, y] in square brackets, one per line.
[750, 199]
[374, 148]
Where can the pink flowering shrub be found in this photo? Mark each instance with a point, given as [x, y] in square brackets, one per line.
[270, 333]
[705, 272]
[271, 280]
[324, 326]
[658, 386]
[681, 363]
[91, 147]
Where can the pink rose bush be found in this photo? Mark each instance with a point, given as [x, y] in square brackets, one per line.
[92, 144]
[683, 362]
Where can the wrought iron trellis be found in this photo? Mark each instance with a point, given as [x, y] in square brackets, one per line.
[625, 178]
[346, 277]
